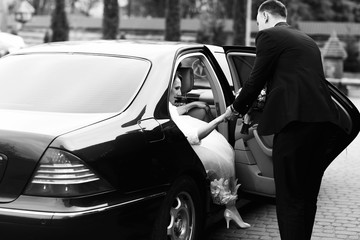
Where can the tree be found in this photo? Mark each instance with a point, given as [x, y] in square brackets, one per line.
[211, 23]
[157, 7]
[84, 6]
[344, 10]
[352, 62]
[146, 8]
[357, 13]
[110, 24]
[41, 6]
[188, 9]
[59, 23]
[239, 22]
[297, 10]
[172, 21]
[317, 10]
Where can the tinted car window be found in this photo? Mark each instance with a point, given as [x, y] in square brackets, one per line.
[71, 83]
[244, 66]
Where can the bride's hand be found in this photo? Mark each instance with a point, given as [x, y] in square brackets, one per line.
[226, 116]
[229, 115]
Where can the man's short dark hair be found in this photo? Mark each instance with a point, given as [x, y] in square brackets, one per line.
[274, 7]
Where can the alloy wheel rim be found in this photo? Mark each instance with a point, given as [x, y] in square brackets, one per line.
[182, 218]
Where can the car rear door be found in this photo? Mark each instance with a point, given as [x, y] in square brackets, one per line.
[254, 152]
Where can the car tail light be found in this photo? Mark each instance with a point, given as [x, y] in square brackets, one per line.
[62, 174]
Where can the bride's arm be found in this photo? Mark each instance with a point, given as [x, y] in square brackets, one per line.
[182, 109]
[187, 107]
[207, 129]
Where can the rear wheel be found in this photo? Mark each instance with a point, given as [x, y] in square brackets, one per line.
[181, 215]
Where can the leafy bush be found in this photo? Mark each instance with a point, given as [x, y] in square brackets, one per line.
[352, 62]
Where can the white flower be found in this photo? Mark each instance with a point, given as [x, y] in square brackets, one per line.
[221, 192]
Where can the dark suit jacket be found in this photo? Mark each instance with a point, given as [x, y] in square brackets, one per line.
[289, 63]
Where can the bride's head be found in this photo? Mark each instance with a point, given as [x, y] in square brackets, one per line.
[175, 89]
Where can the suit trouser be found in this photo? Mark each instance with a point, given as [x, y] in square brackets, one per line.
[301, 154]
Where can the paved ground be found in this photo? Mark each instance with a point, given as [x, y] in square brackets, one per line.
[338, 214]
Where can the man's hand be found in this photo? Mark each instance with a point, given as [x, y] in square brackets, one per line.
[229, 114]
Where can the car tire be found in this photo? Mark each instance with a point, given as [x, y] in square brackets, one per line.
[181, 214]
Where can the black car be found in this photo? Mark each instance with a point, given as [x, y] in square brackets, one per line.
[88, 148]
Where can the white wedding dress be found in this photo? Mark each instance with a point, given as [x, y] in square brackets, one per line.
[216, 154]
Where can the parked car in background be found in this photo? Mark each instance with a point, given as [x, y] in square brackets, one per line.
[10, 42]
[88, 147]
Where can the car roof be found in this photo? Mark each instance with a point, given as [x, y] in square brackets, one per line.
[144, 49]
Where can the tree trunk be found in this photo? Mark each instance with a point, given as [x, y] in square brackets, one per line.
[111, 19]
[212, 23]
[239, 22]
[172, 24]
[59, 23]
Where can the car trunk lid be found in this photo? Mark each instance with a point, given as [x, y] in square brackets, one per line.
[24, 136]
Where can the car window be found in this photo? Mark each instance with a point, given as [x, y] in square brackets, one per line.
[240, 65]
[243, 66]
[71, 83]
[200, 72]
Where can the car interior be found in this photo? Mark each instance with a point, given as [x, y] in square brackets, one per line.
[253, 152]
[254, 166]
[199, 83]
[187, 84]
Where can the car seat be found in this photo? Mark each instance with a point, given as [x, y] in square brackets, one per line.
[187, 84]
[187, 81]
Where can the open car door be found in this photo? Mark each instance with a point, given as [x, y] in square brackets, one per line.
[253, 159]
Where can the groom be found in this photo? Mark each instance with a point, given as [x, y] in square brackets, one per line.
[298, 111]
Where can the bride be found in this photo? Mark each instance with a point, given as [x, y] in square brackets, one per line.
[215, 153]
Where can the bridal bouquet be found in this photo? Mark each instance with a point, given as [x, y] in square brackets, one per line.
[259, 103]
[221, 192]
[257, 106]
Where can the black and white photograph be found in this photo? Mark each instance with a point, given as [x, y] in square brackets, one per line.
[179, 119]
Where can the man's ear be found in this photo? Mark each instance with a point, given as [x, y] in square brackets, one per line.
[266, 16]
